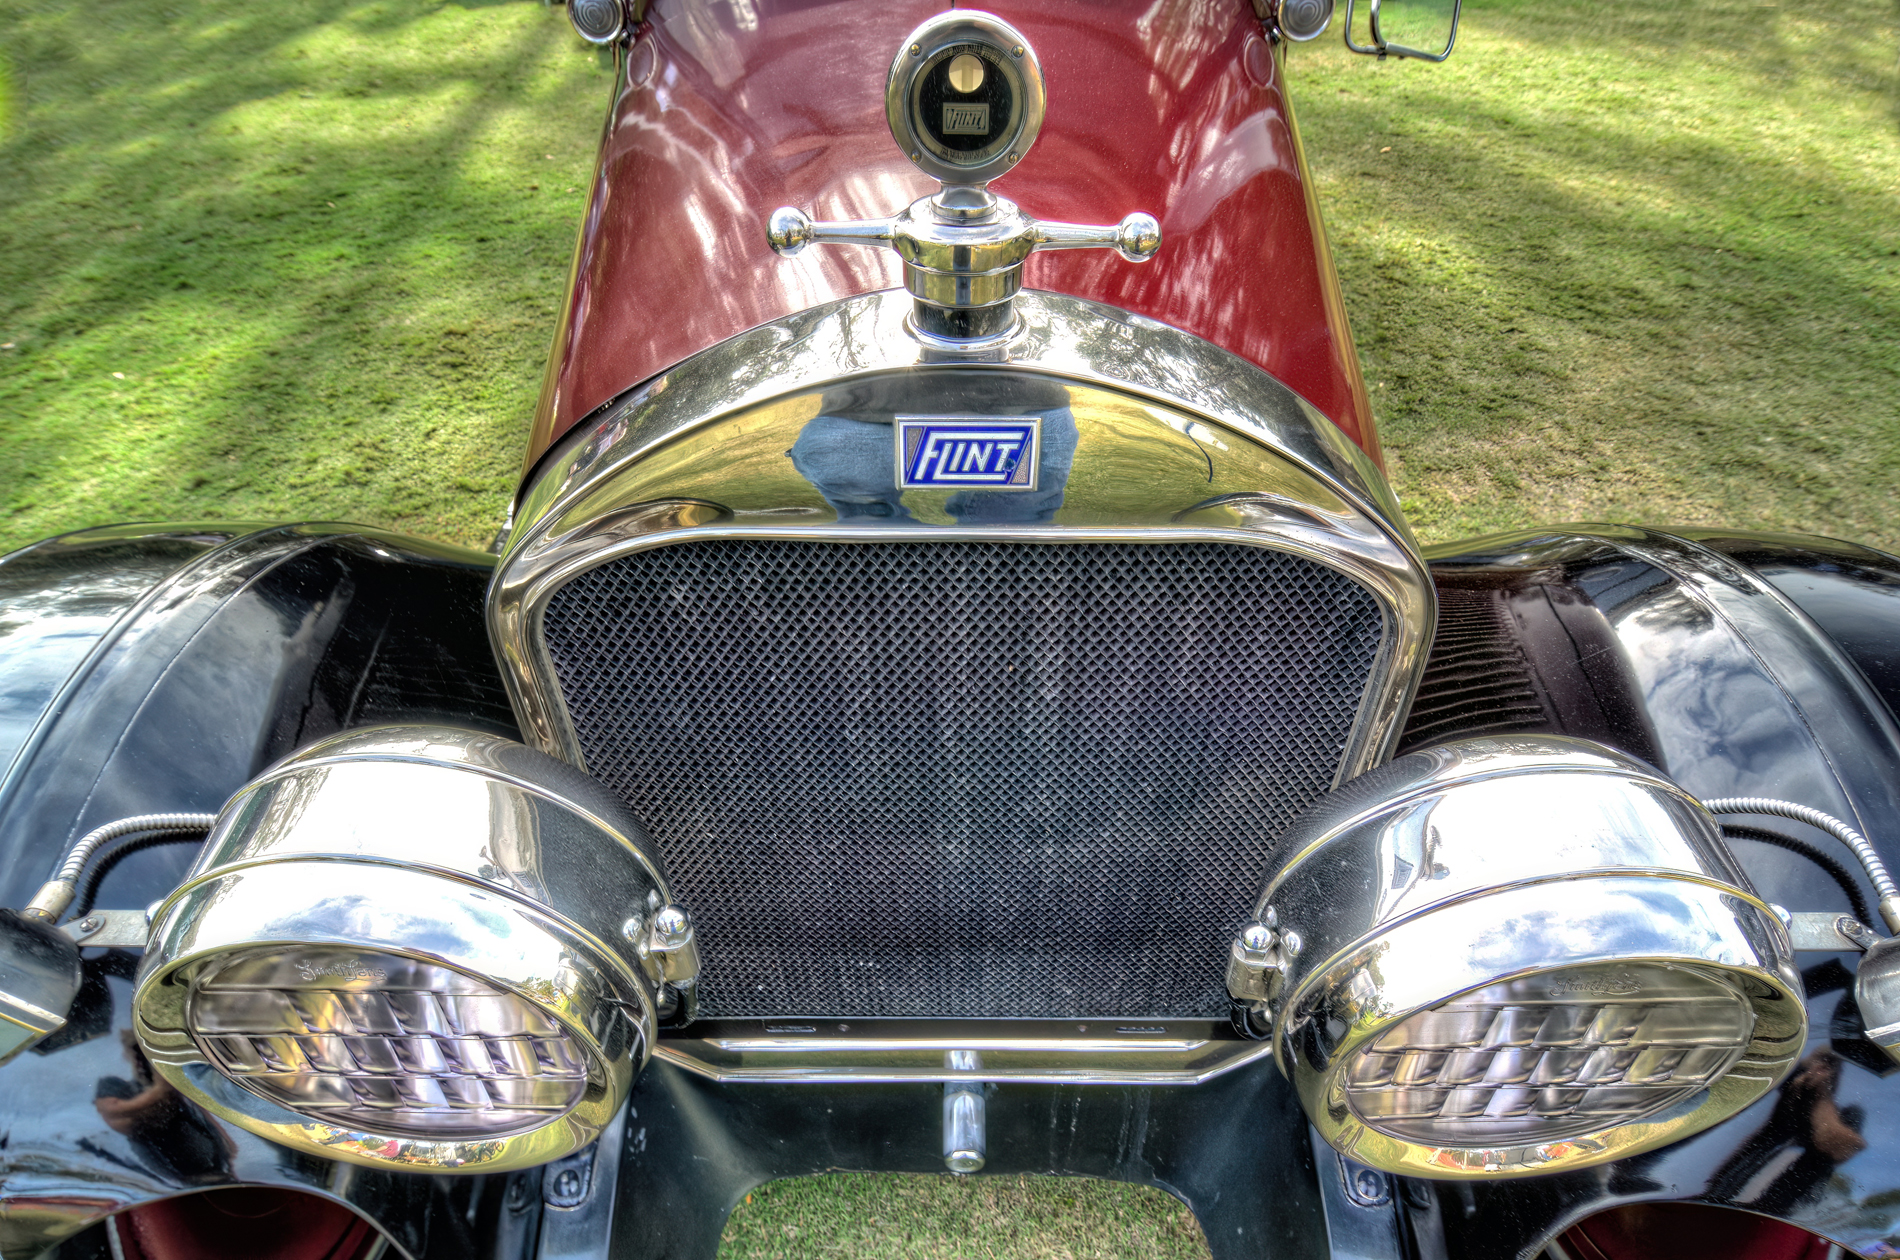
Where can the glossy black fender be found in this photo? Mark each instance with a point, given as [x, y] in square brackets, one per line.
[1741, 665]
[159, 669]
[156, 669]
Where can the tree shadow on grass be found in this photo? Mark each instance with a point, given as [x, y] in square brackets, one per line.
[315, 232]
[1847, 43]
[1672, 316]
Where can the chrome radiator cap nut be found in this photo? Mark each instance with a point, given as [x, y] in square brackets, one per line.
[1523, 955]
[400, 948]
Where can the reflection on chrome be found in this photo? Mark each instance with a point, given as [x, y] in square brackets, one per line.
[1785, 1164]
[1555, 963]
[403, 947]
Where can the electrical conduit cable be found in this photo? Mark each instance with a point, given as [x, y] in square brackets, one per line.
[58, 892]
[1884, 887]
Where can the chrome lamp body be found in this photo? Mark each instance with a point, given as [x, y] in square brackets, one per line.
[1520, 956]
[410, 947]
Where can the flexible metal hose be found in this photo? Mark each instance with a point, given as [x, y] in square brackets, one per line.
[82, 852]
[1884, 886]
[58, 892]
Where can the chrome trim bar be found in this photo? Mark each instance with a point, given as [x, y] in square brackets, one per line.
[1112, 1052]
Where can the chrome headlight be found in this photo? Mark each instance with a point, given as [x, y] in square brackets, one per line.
[410, 947]
[1520, 955]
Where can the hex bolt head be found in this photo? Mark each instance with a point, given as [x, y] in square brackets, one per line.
[671, 926]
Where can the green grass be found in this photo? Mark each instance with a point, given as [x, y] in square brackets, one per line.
[1627, 261]
[935, 1218]
[292, 259]
[1616, 260]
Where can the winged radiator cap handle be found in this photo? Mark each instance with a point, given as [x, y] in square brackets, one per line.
[964, 101]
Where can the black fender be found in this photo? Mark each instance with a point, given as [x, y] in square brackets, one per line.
[205, 655]
[1851, 592]
[1741, 665]
[157, 668]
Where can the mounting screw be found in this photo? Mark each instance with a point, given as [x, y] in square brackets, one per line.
[90, 924]
[520, 1192]
[1017, 51]
[916, 50]
[671, 926]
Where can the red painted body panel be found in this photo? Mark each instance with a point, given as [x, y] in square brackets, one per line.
[728, 110]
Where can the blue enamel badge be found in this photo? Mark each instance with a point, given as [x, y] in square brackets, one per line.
[967, 452]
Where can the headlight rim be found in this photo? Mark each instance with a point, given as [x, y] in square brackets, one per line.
[458, 849]
[173, 1053]
[1331, 889]
[1773, 1047]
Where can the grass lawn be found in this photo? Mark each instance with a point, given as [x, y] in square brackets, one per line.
[1616, 260]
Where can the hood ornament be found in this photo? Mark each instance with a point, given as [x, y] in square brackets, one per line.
[965, 100]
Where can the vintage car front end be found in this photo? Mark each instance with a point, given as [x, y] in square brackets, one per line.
[948, 705]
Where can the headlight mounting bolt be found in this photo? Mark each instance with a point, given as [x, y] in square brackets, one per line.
[1256, 970]
[964, 1143]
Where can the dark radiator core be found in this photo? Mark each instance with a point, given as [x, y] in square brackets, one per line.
[964, 778]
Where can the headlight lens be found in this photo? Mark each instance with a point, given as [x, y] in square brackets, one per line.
[409, 947]
[386, 1043]
[1517, 955]
[1550, 1057]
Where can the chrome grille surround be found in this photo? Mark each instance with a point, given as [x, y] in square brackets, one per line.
[1183, 444]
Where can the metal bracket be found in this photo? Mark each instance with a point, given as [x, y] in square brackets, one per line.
[1257, 964]
[1381, 48]
[965, 1144]
[578, 1221]
[669, 955]
[1877, 973]
[667, 949]
[1362, 1215]
[1828, 932]
[567, 1182]
[110, 929]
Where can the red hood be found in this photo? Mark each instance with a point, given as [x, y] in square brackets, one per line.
[728, 110]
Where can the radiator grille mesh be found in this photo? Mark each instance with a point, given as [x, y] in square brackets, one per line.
[963, 778]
